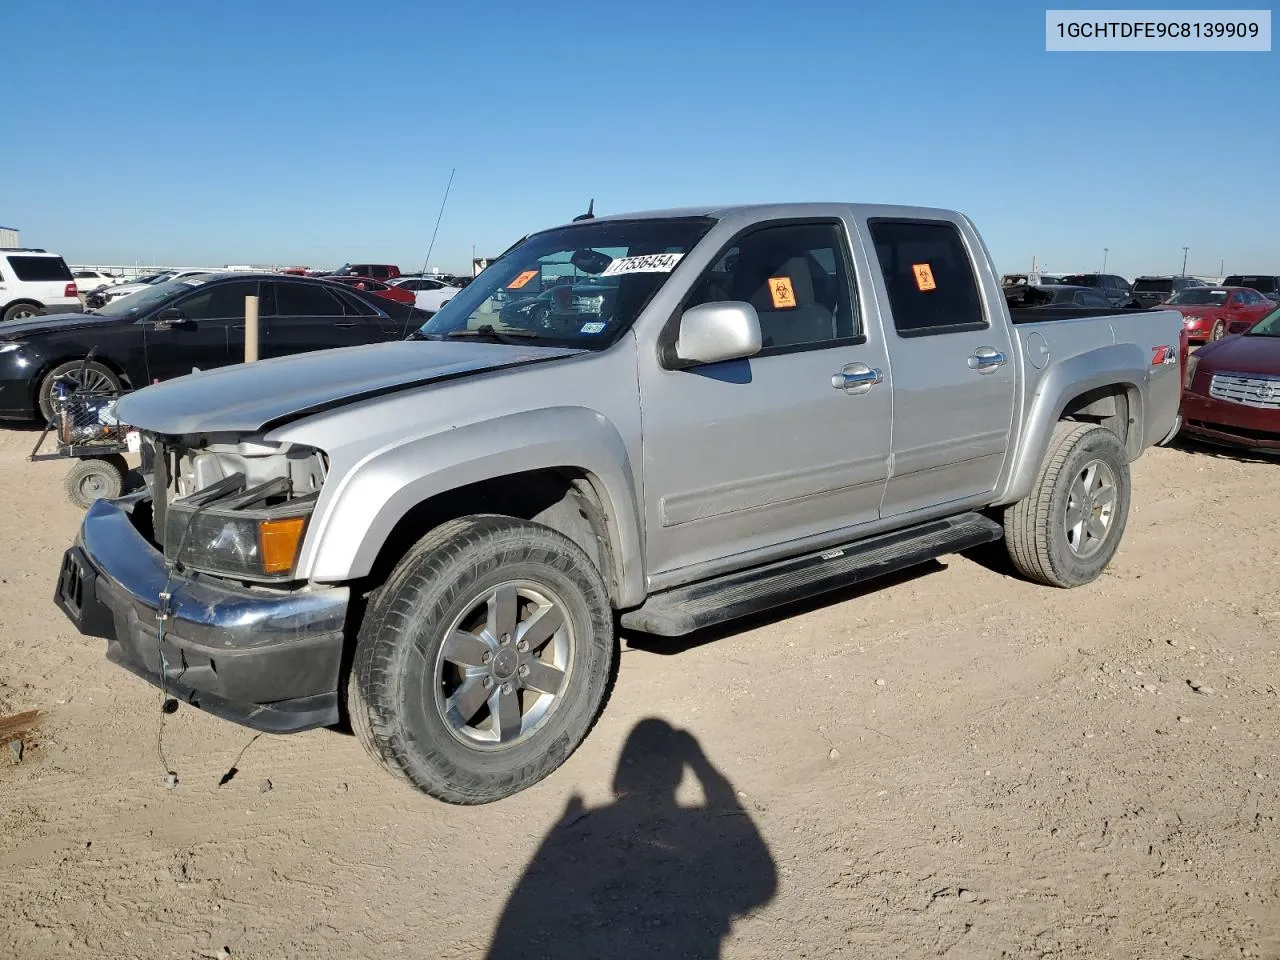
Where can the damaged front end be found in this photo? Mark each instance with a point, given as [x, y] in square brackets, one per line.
[232, 508]
[193, 582]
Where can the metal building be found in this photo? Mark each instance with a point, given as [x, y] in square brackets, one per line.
[9, 237]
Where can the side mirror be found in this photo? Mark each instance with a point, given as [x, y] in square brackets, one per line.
[714, 332]
[171, 317]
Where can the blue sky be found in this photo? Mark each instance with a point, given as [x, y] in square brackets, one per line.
[318, 132]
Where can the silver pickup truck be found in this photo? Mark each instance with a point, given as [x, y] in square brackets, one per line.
[719, 411]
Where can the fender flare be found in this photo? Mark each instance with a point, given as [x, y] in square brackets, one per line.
[1121, 365]
[354, 519]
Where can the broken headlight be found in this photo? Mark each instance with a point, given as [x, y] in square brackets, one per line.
[232, 530]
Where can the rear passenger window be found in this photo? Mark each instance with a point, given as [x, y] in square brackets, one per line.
[39, 269]
[305, 300]
[796, 276]
[928, 276]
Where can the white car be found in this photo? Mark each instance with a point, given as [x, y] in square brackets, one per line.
[124, 289]
[34, 282]
[428, 294]
[87, 280]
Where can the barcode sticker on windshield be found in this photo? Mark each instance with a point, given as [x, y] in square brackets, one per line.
[653, 263]
[924, 277]
[595, 326]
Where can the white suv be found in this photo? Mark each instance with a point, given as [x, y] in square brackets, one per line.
[35, 282]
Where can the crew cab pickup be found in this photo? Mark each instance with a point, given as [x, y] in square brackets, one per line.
[438, 537]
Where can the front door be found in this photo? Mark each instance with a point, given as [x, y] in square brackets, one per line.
[954, 375]
[202, 339]
[747, 455]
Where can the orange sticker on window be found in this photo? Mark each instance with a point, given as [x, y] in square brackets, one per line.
[924, 277]
[784, 296]
[521, 280]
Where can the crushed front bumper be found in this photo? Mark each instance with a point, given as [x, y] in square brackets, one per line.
[267, 659]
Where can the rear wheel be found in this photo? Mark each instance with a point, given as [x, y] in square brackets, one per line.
[484, 660]
[1066, 532]
[21, 311]
[96, 478]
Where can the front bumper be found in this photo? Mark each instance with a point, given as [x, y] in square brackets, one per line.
[1234, 424]
[267, 659]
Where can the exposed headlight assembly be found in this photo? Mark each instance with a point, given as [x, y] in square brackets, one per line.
[229, 529]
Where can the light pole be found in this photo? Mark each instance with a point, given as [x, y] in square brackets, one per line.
[1105, 250]
[1184, 260]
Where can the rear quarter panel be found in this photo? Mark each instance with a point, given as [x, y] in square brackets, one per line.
[1065, 359]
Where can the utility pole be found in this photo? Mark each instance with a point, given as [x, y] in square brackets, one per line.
[1220, 263]
[1184, 260]
[1105, 250]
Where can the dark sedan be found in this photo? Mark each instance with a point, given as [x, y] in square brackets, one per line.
[172, 328]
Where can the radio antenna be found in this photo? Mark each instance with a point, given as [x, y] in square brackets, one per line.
[439, 216]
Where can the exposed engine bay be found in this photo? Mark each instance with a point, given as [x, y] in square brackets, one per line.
[229, 506]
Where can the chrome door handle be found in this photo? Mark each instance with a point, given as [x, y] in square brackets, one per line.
[856, 378]
[985, 360]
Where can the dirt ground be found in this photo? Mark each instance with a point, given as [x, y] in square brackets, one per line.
[953, 764]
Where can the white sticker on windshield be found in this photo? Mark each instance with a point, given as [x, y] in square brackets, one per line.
[594, 327]
[653, 263]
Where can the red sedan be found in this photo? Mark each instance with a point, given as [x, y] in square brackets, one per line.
[370, 285]
[1232, 392]
[1210, 313]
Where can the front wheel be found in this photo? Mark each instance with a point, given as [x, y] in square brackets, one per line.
[96, 379]
[484, 660]
[1066, 532]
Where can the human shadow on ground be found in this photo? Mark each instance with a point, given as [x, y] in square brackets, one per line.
[642, 876]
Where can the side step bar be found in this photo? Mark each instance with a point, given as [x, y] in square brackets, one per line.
[683, 610]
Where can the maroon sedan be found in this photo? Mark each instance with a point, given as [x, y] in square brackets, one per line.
[1232, 392]
[1210, 313]
[376, 287]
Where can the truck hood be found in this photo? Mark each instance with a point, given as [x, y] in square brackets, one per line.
[1247, 354]
[247, 398]
[55, 322]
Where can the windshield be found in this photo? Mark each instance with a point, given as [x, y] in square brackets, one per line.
[1199, 297]
[578, 286]
[1156, 285]
[1268, 326]
[144, 301]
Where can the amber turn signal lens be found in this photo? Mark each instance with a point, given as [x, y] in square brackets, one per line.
[278, 543]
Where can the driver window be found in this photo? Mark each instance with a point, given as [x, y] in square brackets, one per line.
[221, 301]
[796, 278]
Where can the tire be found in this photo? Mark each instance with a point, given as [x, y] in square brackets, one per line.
[97, 478]
[20, 311]
[1219, 331]
[435, 722]
[1036, 532]
[99, 377]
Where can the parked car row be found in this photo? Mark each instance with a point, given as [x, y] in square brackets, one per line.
[183, 323]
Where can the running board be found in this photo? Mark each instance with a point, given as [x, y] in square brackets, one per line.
[683, 610]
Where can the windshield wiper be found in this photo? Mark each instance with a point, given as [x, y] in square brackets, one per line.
[485, 331]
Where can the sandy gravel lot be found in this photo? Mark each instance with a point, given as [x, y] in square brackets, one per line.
[952, 764]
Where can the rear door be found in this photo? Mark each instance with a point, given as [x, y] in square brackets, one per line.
[954, 374]
[751, 454]
[309, 316]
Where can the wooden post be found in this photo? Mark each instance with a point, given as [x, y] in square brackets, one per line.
[250, 329]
